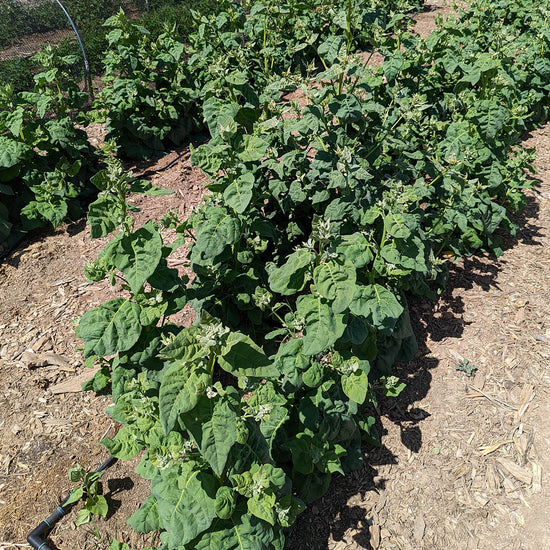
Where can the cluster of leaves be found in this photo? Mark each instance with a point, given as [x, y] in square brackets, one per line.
[45, 161]
[322, 217]
[149, 95]
[90, 492]
[153, 98]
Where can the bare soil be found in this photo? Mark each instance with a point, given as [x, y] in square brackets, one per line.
[464, 460]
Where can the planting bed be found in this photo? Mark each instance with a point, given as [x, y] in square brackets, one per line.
[464, 448]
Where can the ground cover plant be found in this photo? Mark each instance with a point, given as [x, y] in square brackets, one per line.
[321, 219]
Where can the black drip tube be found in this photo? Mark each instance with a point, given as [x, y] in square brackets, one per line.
[37, 535]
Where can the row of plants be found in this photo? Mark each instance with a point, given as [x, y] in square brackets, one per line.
[45, 161]
[155, 88]
[324, 214]
[20, 20]
[153, 99]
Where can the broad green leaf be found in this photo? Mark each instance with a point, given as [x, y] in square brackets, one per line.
[186, 500]
[392, 65]
[146, 518]
[212, 424]
[226, 499]
[408, 253]
[75, 495]
[110, 328]
[491, 117]
[322, 326]
[210, 158]
[12, 152]
[165, 278]
[276, 415]
[242, 357]
[457, 141]
[302, 456]
[290, 278]
[137, 255]
[253, 148]
[244, 533]
[330, 48]
[377, 305]
[14, 121]
[336, 282]
[346, 107]
[239, 193]
[97, 505]
[355, 386]
[180, 390]
[104, 215]
[83, 516]
[184, 346]
[272, 422]
[237, 78]
[369, 431]
[217, 231]
[53, 209]
[124, 445]
[262, 506]
[217, 113]
[356, 249]
[399, 225]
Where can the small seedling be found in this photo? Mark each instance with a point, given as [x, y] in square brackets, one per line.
[466, 367]
[89, 491]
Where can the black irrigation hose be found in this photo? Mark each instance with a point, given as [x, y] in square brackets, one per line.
[37, 535]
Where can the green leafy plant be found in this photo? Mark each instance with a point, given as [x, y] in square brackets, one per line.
[466, 367]
[45, 160]
[322, 218]
[89, 492]
[148, 94]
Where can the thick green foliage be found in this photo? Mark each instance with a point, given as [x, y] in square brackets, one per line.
[152, 98]
[45, 161]
[148, 94]
[322, 217]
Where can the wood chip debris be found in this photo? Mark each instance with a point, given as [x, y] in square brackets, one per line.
[488, 449]
[525, 398]
[375, 535]
[490, 398]
[32, 360]
[537, 477]
[521, 474]
[419, 528]
[73, 385]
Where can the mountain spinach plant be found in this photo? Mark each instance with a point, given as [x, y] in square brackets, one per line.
[323, 216]
[149, 94]
[45, 160]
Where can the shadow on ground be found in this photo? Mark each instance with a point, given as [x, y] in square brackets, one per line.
[338, 511]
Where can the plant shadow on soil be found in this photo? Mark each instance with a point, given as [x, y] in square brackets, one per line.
[117, 486]
[333, 515]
